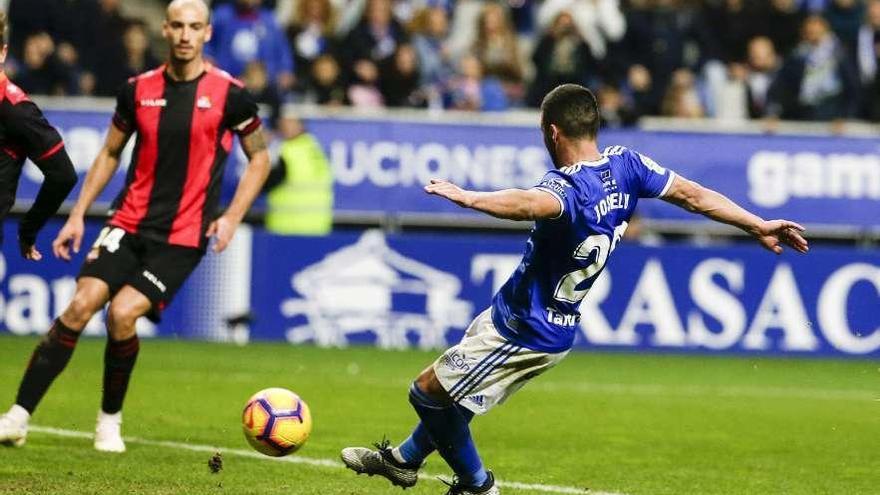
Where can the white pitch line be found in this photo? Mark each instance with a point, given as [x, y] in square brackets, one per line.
[298, 459]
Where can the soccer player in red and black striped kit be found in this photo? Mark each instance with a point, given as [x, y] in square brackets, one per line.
[25, 133]
[184, 114]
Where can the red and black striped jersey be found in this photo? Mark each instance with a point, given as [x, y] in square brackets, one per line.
[25, 133]
[184, 134]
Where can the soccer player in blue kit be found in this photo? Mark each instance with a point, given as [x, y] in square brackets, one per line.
[581, 211]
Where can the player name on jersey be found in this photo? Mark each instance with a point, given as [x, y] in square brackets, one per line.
[614, 201]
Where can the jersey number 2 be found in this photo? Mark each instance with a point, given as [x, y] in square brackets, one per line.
[602, 246]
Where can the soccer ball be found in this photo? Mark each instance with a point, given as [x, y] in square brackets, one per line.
[276, 422]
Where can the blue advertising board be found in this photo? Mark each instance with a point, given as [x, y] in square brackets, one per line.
[420, 290]
[380, 166]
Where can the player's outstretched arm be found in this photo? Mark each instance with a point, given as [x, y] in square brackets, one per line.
[102, 170]
[249, 186]
[772, 234]
[510, 204]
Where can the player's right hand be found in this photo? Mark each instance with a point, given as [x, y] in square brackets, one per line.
[69, 237]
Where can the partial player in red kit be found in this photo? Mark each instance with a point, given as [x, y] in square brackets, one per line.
[184, 114]
[25, 133]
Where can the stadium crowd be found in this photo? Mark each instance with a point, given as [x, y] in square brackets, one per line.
[730, 59]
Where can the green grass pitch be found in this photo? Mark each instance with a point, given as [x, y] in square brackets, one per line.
[621, 423]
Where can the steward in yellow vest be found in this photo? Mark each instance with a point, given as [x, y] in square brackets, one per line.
[300, 201]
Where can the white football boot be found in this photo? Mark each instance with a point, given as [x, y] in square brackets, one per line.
[108, 433]
[488, 487]
[380, 461]
[14, 426]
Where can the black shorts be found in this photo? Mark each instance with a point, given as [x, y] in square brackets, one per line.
[155, 269]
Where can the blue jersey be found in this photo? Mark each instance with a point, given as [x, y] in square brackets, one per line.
[537, 307]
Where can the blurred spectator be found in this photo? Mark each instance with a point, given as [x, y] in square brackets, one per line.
[760, 73]
[868, 57]
[639, 88]
[245, 32]
[845, 18]
[401, 84]
[470, 90]
[300, 200]
[375, 38]
[561, 56]
[137, 49]
[136, 59]
[615, 109]
[497, 50]
[816, 81]
[598, 21]
[662, 37]
[30, 17]
[733, 25]
[782, 24]
[256, 80]
[311, 34]
[430, 28]
[41, 71]
[100, 43]
[326, 83]
[364, 89]
[682, 99]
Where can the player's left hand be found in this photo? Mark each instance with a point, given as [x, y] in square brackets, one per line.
[29, 251]
[773, 233]
[222, 231]
[450, 191]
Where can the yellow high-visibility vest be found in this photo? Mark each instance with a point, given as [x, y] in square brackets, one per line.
[303, 203]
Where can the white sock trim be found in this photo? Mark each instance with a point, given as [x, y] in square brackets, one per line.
[115, 418]
[395, 453]
[19, 414]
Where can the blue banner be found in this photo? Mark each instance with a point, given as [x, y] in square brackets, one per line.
[419, 290]
[422, 290]
[380, 166]
[816, 180]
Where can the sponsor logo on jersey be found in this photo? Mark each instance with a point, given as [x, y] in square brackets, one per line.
[556, 185]
[153, 102]
[562, 319]
[204, 102]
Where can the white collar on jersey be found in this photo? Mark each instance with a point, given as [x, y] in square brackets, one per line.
[596, 163]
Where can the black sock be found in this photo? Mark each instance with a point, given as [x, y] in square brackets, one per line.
[119, 359]
[47, 362]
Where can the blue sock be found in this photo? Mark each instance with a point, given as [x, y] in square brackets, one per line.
[447, 426]
[417, 447]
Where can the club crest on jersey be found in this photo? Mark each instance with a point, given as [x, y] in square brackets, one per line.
[203, 103]
[153, 102]
[608, 182]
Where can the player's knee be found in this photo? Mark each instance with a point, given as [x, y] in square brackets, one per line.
[429, 385]
[121, 319]
[80, 310]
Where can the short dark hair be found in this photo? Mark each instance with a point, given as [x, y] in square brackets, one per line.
[573, 109]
